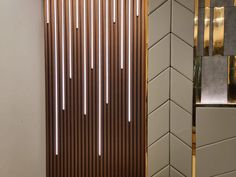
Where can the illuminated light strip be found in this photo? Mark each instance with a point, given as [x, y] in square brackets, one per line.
[77, 14]
[92, 30]
[48, 14]
[70, 48]
[107, 51]
[114, 11]
[99, 81]
[137, 10]
[129, 65]
[63, 54]
[122, 36]
[56, 77]
[85, 61]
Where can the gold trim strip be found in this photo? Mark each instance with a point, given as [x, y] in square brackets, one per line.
[218, 31]
[206, 31]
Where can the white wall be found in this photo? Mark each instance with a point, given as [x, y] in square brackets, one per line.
[22, 103]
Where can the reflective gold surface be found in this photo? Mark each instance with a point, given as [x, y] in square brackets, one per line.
[218, 31]
[232, 79]
[207, 31]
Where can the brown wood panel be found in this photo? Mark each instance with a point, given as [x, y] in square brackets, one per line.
[123, 143]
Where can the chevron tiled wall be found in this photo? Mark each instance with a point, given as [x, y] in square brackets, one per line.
[170, 88]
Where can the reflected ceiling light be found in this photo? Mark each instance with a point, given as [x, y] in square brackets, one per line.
[56, 77]
[122, 35]
[63, 54]
[85, 61]
[70, 48]
[107, 50]
[99, 81]
[129, 64]
[137, 10]
[92, 31]
[48, 14]
[114, 11]
[77, 14]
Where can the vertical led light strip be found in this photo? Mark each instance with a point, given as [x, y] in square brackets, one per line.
[70, 37]
[92, 28]
[56, 77]
[77, 13]
[85, 61]
[63, 53]
[107, 50]
[99, 81]
[137, 6]
[114, 11]
[48, 15]
[122, 35]
[129, 65]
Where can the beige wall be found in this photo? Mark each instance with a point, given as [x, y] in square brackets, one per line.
[22, 104]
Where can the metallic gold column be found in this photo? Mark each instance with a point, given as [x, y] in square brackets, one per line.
[218, 31]
[207, 28]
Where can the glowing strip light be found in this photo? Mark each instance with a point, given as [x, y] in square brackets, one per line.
[70, 48]
[63, 54]
[56, 77]
[122, 36]
[137, 10]
[85, 61]
[114, 11]
[99, 80]
[107, 51]
[92, 31]
[129, 65]
[48, 14]
[77, 14]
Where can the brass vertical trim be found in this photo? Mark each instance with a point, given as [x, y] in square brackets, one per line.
[207, 28]
[218, 31]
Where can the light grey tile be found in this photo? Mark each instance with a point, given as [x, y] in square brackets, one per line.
[182, 22]
[158, 91]
[175, 173]
[215, 124]
[182, 56]
[158, 155]
[216, 158]
[154, 4]
[159, 23]
[181, 123]
[181, 90]
[230, 174]
[164, 172]
[187, 3]
[180, 156]
[158, 123]
[159, 57]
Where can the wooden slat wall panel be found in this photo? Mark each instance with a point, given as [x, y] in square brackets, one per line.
[123, 143]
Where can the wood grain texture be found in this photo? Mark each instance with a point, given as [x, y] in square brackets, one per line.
[123, 143]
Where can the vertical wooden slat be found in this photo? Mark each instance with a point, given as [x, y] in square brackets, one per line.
[123, 143]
